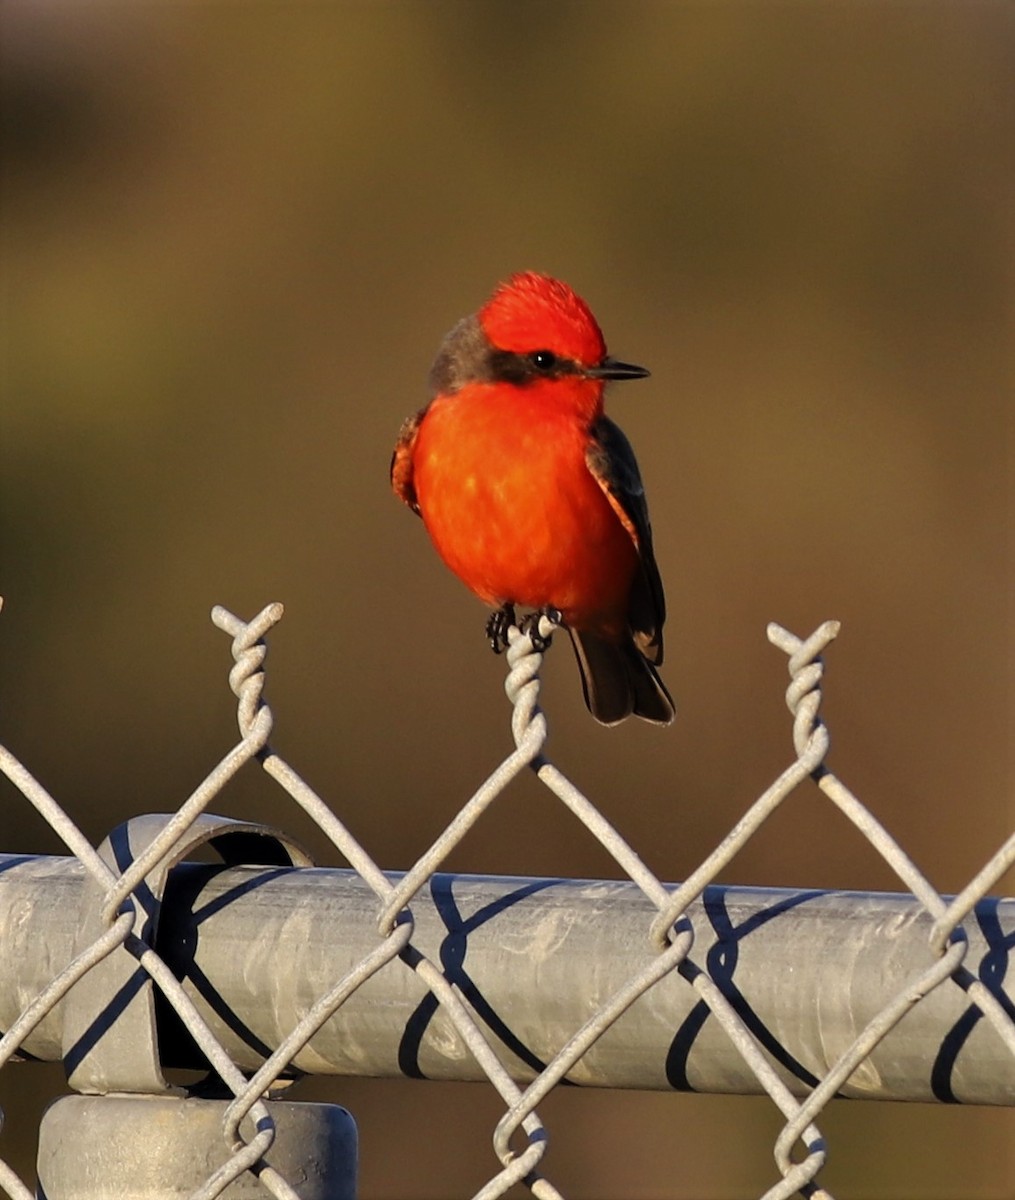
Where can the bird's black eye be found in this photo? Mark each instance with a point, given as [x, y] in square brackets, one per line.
[543, 360]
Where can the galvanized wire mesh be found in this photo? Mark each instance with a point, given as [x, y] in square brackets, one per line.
[519, 1138]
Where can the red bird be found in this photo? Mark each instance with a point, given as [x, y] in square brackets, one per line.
[532, 496]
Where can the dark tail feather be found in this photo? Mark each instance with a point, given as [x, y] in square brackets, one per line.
[618, 681]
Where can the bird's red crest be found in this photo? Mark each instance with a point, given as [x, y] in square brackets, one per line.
[530, 312]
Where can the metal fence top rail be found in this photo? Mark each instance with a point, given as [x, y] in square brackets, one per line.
[805, 969]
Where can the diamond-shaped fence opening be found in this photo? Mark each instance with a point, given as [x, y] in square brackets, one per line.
[129, 959]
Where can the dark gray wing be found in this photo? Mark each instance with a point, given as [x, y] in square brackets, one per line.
[611, 461]
[401, 461]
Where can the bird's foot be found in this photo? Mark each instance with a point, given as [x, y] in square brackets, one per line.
[529, 624]
[497, 627]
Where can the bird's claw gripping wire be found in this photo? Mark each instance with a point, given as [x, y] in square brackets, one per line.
[498, 625]
[531, 626]
[504, 619]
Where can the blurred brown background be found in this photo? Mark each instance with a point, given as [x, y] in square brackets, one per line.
[233, 236]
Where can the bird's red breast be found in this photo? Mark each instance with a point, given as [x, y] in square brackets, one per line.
[506, 495]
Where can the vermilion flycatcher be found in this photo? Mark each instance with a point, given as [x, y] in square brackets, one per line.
[532, 496]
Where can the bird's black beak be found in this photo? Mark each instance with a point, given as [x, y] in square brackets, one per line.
[610, 368]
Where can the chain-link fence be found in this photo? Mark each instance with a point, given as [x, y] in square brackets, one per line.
[131, 960]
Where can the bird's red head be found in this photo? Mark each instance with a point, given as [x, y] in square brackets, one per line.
[530, 312]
